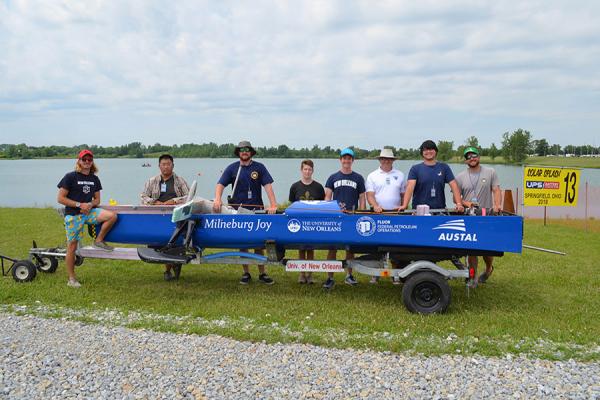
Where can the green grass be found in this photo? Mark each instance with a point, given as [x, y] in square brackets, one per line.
[576, 162]
[535, 304]
[579, 162]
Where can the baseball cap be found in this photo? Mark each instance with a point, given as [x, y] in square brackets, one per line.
[347, 152]
[470, 149]
[84, 153]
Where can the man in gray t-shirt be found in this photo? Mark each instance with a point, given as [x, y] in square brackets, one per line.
[479, 186]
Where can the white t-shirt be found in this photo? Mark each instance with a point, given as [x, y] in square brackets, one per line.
[387, 186]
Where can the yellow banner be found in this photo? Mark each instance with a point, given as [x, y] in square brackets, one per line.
[550, 186]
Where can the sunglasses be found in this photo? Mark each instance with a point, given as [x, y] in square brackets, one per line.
[471, 156]
[244, 150]
[87, 159]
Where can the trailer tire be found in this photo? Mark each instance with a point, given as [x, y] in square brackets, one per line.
[47, 264]
[79, 260]
[426, 293]
[23, 271]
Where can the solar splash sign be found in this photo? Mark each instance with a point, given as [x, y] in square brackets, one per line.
[550, 186]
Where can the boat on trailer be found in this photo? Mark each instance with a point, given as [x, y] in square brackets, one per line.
[404, 246]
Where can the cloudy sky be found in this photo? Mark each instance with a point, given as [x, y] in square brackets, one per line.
[300, 73]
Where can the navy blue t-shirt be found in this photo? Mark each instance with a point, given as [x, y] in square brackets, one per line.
[81, 188]
[431, 181]
[346, 189]
[248, 191]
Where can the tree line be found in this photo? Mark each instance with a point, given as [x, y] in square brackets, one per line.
[515, 147]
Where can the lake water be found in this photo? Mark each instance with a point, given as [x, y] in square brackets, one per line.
[32, 183]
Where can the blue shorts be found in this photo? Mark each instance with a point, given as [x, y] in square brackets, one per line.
[74, 223]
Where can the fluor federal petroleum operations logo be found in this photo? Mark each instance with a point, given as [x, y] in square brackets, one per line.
[365, 226]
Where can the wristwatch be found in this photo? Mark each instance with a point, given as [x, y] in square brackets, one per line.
[77, 204]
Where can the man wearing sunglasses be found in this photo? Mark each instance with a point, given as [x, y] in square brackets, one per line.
[247, 178]
[479, 187]
[79, 192]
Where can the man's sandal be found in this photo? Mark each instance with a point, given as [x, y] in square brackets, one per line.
[485, 276]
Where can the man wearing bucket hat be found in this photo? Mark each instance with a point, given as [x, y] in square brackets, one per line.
[386, 185]
[428, 179]
[348, 189]
[79, 192]
[247, 178]
[479, 186]
[385, 188]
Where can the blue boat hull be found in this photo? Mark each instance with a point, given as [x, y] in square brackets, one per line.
[324, 230]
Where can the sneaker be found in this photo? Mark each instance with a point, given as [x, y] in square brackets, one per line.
[329, 283]
[396, 280]
[176, 271]
[302, 279]
[73, 283]
[374, 280]
[168, 276]
[102, 246]
[266, 279]
[309, 278]
[350, 280]
[246, 278]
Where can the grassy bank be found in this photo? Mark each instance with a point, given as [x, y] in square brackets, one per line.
[535, 304]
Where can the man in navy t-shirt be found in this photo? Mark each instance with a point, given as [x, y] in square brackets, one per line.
[348, 189]
[79, 192]
[426, 181]
[247, 178]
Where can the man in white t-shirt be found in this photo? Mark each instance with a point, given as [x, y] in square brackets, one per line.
[385, 187]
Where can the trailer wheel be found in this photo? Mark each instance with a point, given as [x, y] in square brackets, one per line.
[47, 264]
[426, 293]
[23, 271]
[79, 260]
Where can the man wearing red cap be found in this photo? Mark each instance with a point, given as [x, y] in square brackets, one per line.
[79, 192]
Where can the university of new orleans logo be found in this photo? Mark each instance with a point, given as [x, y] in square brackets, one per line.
[85, 189]
[293, 225]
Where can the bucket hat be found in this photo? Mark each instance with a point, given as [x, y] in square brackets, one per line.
[387, 153]
[242, 144]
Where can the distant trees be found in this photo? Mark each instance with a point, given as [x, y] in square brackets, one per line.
[515, 148]
[540, 147]
[493, 151]
[445, 151]
[516, 145]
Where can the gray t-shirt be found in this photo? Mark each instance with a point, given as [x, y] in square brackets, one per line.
[478, 185]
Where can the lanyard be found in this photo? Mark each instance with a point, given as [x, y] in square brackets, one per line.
[474, 184]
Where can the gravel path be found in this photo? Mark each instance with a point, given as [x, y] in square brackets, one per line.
[57, 359]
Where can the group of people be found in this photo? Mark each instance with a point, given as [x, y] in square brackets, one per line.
[385, 189]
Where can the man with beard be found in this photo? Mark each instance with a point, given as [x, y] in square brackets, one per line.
[247, 178]
[479, 186]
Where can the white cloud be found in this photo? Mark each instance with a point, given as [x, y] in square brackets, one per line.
[280, 67]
